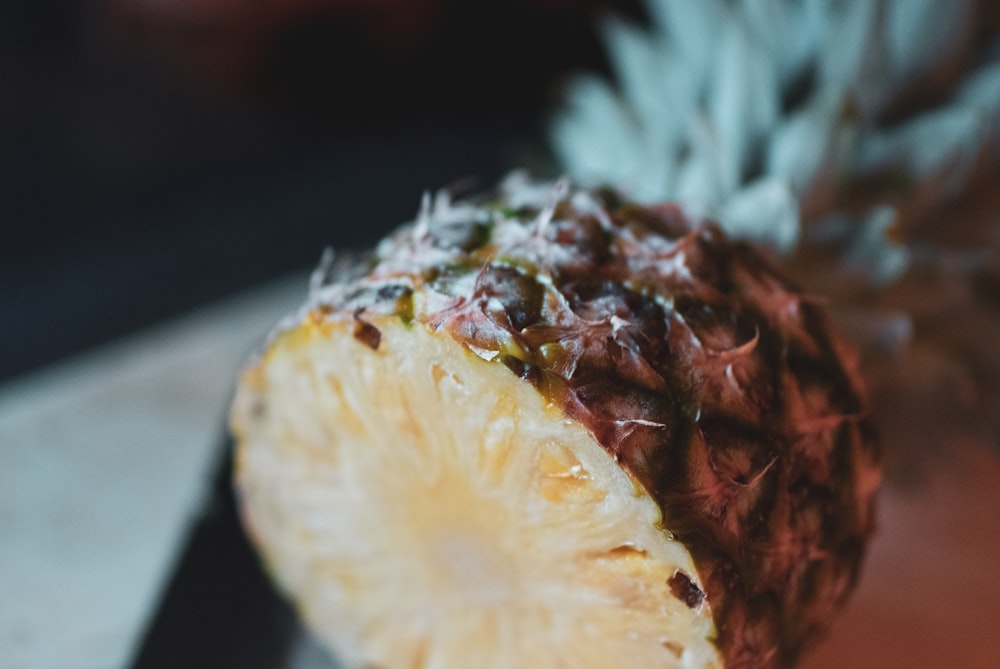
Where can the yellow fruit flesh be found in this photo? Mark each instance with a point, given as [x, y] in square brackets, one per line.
[425, 508]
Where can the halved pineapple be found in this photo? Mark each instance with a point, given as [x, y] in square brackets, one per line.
[429, 509]
[550, 429]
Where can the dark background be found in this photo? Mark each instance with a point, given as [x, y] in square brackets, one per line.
[156, 156]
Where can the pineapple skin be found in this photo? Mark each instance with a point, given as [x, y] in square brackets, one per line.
[707, 376]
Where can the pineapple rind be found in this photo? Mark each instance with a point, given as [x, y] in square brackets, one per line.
[708, 378]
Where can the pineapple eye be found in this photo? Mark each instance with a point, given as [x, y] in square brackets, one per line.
[684, 589]
[519, 295]
[366, 333]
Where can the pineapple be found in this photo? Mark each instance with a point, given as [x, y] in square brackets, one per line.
[547, 428]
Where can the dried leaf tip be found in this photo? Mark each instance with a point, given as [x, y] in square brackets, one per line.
[559, 192]
[321, 275]
[423, 224]
[441, 205]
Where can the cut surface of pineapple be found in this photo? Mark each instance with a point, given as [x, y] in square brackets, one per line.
[428, 509]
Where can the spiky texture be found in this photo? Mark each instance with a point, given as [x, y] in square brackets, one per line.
[760, 112]
[710, 379]
[859, 139]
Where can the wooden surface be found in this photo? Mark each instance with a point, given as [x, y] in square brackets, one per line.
[104, 462]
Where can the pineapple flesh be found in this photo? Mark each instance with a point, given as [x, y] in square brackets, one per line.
[549, 429]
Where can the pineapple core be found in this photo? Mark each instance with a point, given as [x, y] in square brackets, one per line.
[426, 508]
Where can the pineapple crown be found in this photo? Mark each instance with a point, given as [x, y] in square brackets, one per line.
[755, 112]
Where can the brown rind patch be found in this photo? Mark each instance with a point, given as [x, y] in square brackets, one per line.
[701, 370]
[366, 333]
[684, 589]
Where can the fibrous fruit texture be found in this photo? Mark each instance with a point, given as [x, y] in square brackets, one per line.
[546, 428]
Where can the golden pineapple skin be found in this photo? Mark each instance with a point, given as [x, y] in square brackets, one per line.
[705, 378]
